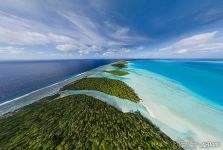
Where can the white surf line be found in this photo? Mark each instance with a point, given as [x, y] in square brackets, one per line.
[29, 98]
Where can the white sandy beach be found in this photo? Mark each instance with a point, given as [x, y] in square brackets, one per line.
[177, 111]
[174, 109]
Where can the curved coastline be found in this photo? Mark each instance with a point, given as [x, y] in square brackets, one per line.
[164, 97]
[34, 96]
[125, 106]
[152, 88]
[194, 116]
[92, 125]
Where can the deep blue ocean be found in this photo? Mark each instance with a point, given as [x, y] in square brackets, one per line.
[18, 78]
[204, 78]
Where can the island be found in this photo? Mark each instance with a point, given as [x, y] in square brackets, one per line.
[117, 72]
[79, 121]
[120, 64]
[109, 86]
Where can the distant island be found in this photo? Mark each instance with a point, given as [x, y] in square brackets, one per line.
[117, 72]
[120, 64]
[79, 121]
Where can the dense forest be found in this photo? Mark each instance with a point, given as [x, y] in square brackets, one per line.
[109, 86]
[83, 122]
[79, 122]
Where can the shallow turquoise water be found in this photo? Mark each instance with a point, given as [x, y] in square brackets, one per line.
[123, 105]
[205, 78]
[183, 98]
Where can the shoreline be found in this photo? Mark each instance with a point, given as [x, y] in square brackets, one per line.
[19, 102]
[164, 97]
[156, 109]
[176, 108]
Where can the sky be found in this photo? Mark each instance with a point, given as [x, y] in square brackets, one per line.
[76, 29]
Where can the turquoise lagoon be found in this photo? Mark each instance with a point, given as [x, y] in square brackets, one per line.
[183, 98]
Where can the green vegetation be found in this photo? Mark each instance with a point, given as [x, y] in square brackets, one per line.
[117, 72]
[82, 122]
[109, 86]
[41, 100]
[120, 64]
[79, 122]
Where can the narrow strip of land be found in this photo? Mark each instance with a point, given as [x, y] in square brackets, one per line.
[117, 72]
[109, 86]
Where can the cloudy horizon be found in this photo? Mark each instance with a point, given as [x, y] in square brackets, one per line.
[53, 29]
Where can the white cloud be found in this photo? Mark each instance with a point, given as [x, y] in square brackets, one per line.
[78, 32]
[93, 37]
[122, 34]
[182, 51]
[11, 50]
[120, 52]
[84, 26]
[109, 54]
[87, 35]
[65, 47]
[27, 37]
[18, 31]
[22, 37]
[81, 49]
[197, 43]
